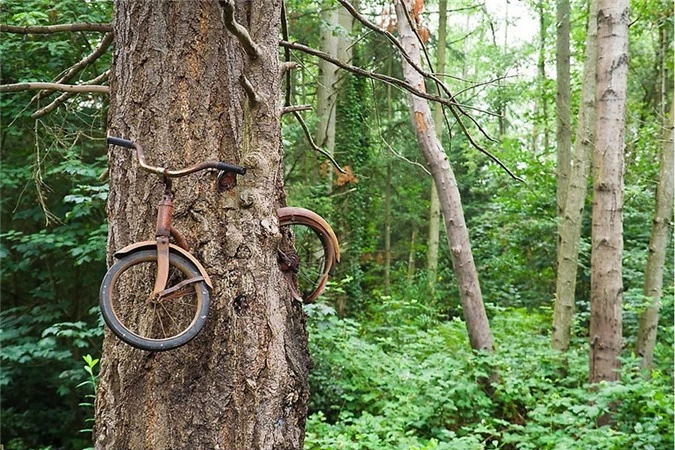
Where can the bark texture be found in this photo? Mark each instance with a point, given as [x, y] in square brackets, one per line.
[176, 89]
[562, 103]
[658, 242]
[448, 193]
[608, 168]
[434, 206]
[569, 229]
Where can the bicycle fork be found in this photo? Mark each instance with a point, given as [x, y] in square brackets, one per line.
[164, 231]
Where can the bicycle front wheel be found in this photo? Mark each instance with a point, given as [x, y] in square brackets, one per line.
[149, 321]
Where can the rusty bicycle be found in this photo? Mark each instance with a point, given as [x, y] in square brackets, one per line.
[156, 296]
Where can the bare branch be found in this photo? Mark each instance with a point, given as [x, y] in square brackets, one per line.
[54, 87]
[250, 91]
[238, 30]
[72, 71]
[66, 95]
[294, 108]
[101, 27]
[313, 144]
[396, 82]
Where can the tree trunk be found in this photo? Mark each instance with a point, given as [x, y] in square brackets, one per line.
[658, 242]
[175, 89]
[387, 231]
[541, 104]
[335, 29]
[569, 229]
[448, 193]
[562, 104]
[608, 167]
[411, 256]
[434, 206]
[326, 87]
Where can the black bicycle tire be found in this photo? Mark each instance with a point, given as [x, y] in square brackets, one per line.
[133, 339]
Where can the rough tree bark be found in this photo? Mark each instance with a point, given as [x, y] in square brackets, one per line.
[569, 229]
[434, 206]
[658, 242]
[176, 89]
[448, 193]
[608, 167]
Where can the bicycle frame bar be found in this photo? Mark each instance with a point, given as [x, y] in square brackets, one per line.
[227, 167]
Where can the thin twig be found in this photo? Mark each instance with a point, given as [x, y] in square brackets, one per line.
[66, 95]
[294, 108]
[102, 27]
[54, 87]
[387, 144]
[313, 144]
[239, 31]
[287, 56]
[456, 115]
[72, 71]
[396, 82]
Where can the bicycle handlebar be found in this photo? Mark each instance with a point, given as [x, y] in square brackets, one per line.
[226, 167]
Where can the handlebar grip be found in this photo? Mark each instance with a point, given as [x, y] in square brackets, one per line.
[227, 167]
[121, 142]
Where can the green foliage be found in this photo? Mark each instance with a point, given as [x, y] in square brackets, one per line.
[424, 389]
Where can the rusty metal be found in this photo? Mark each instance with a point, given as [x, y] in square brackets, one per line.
[180, 240]
[164, 210]
[331, 247]
[227, 167]
[166, 294]
[226, 181]
[162, 275]
[149, 245]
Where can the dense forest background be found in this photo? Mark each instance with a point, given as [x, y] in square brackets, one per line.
[392, 363]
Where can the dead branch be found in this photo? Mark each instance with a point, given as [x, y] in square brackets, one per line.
[73, 70]
[101, 27]
[396, 82]
[238, 30]
[312, 144]
[294, 108]
[54, 87]
[66, 95]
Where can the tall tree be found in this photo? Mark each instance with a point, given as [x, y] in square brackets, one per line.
[448, 192]
[608, 167]
[434, 206]
[562, 104]
[569, 228]
[177, 87]
[658, 241]
[336, 24]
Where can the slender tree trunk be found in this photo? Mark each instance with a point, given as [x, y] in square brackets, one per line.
[175, 89]
[562, 104]
[658, 242]
[411, 256]
[448, 193]
[387, 231]
[569, 229]
[326, 89]
[608, 167]
[336, 24]
[541, 105]
[434, 205]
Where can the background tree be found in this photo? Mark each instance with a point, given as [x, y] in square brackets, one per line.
[608, 191]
